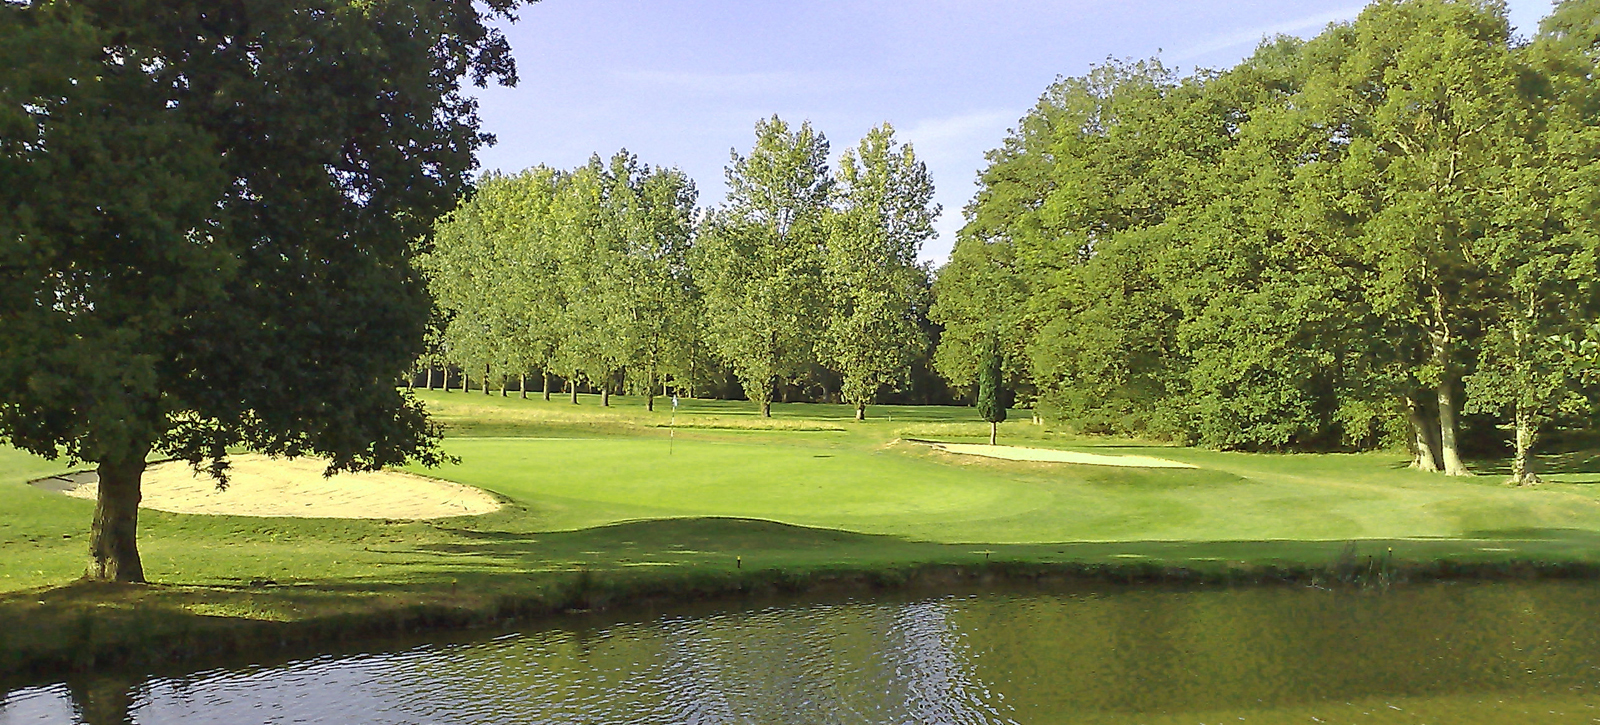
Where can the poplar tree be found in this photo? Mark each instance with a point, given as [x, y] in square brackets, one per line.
[493, 278]
[874, 282]
[760, 258]
[659, 222]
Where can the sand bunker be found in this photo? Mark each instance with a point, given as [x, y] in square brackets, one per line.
[262, 486]
[1017, 453]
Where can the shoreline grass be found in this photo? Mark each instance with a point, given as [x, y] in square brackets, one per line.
[612, 505]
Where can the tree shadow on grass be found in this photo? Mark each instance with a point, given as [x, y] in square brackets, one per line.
[1576, 467]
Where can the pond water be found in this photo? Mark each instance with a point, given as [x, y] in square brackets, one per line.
[1438, 653]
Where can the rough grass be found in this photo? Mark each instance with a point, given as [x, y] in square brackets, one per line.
[715, 497]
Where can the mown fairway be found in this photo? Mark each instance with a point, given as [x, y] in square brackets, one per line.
[589, 466]
[648, 494]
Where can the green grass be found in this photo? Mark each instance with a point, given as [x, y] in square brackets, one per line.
[627, 498]
[581, 466]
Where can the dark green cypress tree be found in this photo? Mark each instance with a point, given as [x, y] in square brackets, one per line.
[989, 406]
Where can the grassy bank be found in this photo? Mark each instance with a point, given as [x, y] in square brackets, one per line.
[608, 505]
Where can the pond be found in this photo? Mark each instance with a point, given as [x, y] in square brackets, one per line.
[1477, 652]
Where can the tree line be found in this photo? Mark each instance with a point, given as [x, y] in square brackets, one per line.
[609, 276]
[1383, 235]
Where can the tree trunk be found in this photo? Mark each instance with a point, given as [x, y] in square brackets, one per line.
[1442, 338]
[994, 433]
[861, 411]
[466, 382]
[430, 377]
[522, 385]
[1449, 449]
[1522, 464]
[113, 542]
[486, 379]
[1424, 435]
[650, 391]
[102, 699]
[605, 394]
[445, 373]
[546, 375]
[574, 389]
[766, 409]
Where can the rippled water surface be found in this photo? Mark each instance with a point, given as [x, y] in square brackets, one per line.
[1444, 653]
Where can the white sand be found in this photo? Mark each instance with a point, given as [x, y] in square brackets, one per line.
[1017, 453]
[262, 486]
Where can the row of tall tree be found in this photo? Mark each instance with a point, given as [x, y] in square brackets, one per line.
[1344, 242]
[581, 273]
[608, 274]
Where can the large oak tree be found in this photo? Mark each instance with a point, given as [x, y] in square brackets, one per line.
[208, 214]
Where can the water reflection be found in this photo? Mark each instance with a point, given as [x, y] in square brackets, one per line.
[1462, 653]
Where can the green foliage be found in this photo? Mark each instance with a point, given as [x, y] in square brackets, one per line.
[876, 288]
[607, 273]
[976, 290]
[1281, 254]
[210, 216]
[492, 273]
[990, 382]
[760, 258]
[584, 273]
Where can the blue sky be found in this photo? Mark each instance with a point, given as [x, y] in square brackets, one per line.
[681, 82]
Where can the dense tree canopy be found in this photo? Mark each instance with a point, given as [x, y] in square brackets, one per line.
[207, 217]
[1374, 237]
[1343, 242]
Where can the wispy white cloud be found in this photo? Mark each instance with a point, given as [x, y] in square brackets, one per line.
[963, 137]
[728, 83]
[953, 148]
[1251, 36]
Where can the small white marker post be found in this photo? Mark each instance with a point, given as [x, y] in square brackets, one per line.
[672, 425]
